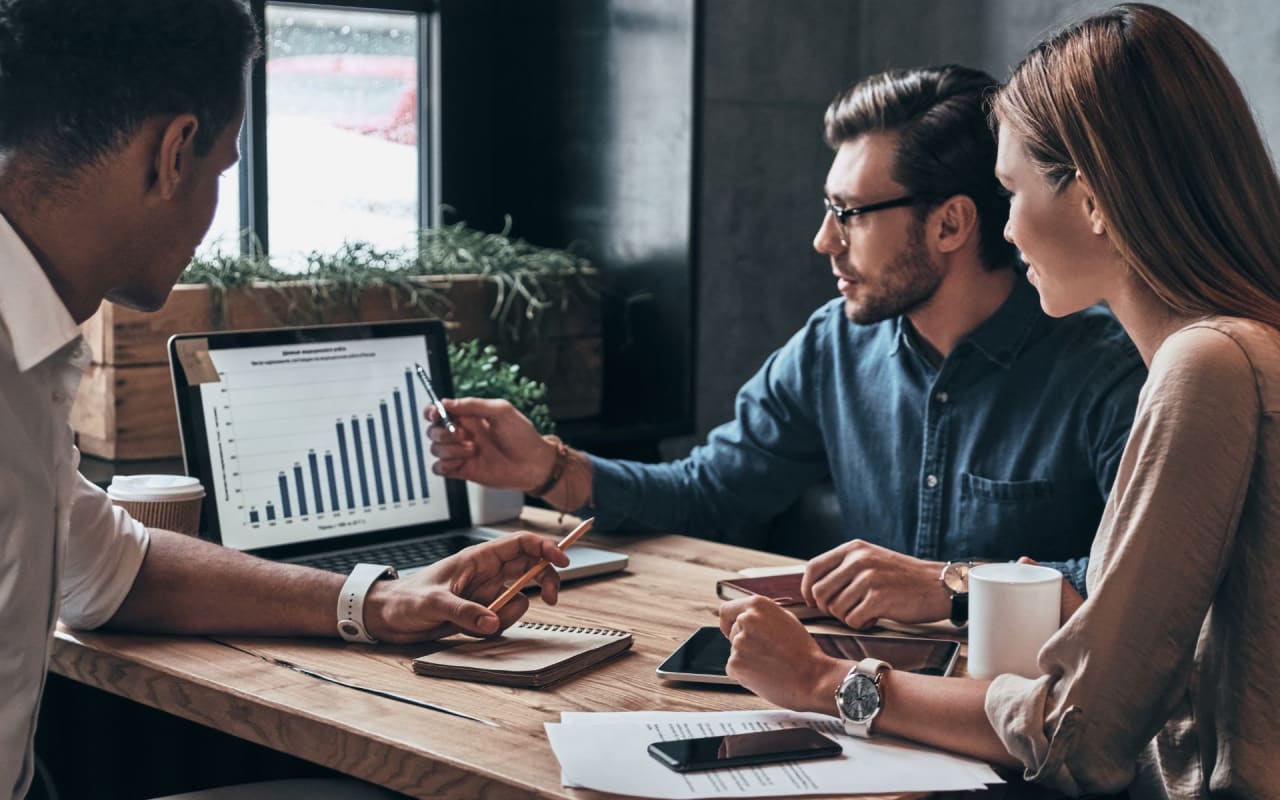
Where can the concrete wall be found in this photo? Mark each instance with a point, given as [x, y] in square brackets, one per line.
[768, 70]
[995, 34]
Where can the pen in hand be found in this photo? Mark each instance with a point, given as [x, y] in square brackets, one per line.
[519, 583]
[435, 399]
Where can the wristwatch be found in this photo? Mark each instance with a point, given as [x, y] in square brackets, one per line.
[351, 600]
[859, 699]
[955, 579]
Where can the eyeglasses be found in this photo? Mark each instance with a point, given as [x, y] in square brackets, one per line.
[843, 215]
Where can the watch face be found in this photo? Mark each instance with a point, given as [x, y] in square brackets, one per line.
[860, 698]
[956, 577]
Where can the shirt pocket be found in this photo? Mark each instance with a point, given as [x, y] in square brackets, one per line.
[1008, 519]
[978, 489]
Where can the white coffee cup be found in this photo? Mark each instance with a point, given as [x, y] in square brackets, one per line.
[1013, 610]
[171, 502]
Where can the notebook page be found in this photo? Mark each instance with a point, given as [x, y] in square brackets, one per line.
[525, 647]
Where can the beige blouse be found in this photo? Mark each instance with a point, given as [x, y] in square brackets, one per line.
[1169, 675]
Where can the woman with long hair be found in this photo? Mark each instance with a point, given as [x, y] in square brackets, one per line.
[1139, 178]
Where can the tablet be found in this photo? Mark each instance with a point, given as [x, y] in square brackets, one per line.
[702, 657]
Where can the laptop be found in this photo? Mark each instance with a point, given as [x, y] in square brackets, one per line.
[312, 448]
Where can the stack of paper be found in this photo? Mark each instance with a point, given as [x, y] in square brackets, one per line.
[608, 752]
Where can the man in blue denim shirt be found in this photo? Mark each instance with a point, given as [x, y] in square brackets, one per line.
[955, 419]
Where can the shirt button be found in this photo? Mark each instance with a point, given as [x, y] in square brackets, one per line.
[931, 481]
[942, 397]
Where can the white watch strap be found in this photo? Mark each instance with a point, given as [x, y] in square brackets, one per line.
[351, 600]
[871, 668]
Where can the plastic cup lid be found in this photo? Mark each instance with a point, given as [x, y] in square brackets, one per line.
[163, 488]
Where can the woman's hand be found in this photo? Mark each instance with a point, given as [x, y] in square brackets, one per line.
[774, 656]
[1071, 599]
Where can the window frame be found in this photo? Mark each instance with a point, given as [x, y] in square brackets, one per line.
[254, 189]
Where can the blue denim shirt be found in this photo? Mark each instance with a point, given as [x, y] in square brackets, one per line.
[1007, 448]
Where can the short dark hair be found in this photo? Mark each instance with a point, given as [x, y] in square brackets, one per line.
[945, 145]
[78, 77]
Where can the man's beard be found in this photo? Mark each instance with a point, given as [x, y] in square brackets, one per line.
[908, 282]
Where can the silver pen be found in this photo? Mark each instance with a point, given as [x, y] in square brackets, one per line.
[435, 399]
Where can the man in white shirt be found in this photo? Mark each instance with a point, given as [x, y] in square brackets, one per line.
[116, 120]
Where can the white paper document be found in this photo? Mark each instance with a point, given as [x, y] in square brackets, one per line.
[608, 752]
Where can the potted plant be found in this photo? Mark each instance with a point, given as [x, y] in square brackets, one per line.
[539, 306]
[479, 372]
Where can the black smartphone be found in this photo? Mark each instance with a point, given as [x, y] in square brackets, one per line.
[743, 749]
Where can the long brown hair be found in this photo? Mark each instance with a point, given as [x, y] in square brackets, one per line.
[1149, 114]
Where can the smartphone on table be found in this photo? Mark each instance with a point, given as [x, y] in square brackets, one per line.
[743, 749]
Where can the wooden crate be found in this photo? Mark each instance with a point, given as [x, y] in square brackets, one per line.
[125, 408]
[126, 413]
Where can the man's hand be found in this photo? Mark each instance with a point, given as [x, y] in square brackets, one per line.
[450, 595]
[860, 583]
[775, 657]
[495, 445]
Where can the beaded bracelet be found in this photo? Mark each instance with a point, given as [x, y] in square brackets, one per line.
[557, 469]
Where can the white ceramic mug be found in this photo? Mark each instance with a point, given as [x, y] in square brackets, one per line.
[171, 502]
[1013, 610]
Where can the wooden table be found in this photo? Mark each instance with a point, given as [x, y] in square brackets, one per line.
[231, 686]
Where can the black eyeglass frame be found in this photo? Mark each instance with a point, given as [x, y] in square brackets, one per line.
[843, 215]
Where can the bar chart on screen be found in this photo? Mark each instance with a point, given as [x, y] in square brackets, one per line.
[322, 439]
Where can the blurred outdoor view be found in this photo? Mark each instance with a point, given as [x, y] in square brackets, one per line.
[342, 134]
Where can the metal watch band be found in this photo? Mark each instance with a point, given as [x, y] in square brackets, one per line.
[351, 600]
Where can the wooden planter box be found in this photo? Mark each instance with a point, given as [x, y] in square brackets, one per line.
[125, 407]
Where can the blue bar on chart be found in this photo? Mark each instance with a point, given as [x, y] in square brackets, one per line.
[391, 458]
[373, 459]
[404, 448]
[364, 483]
[333, 483]
[417, 437]
[302, 493]
[285, 508]
[315, 481]
[381, 458]
[346, 464]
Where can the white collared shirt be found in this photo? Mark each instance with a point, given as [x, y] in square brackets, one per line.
[64, 549]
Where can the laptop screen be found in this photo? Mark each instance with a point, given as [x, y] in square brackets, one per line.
[313, 438]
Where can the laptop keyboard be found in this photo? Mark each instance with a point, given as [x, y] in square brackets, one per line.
[401, 555]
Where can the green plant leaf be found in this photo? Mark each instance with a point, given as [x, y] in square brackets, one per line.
[529, 279]
[478, 372]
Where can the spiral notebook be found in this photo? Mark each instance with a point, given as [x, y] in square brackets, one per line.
[530, 654]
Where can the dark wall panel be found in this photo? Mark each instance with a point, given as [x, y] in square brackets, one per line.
[576, 118]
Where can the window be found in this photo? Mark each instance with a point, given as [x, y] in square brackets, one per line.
[222, 235]
[336, 145]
